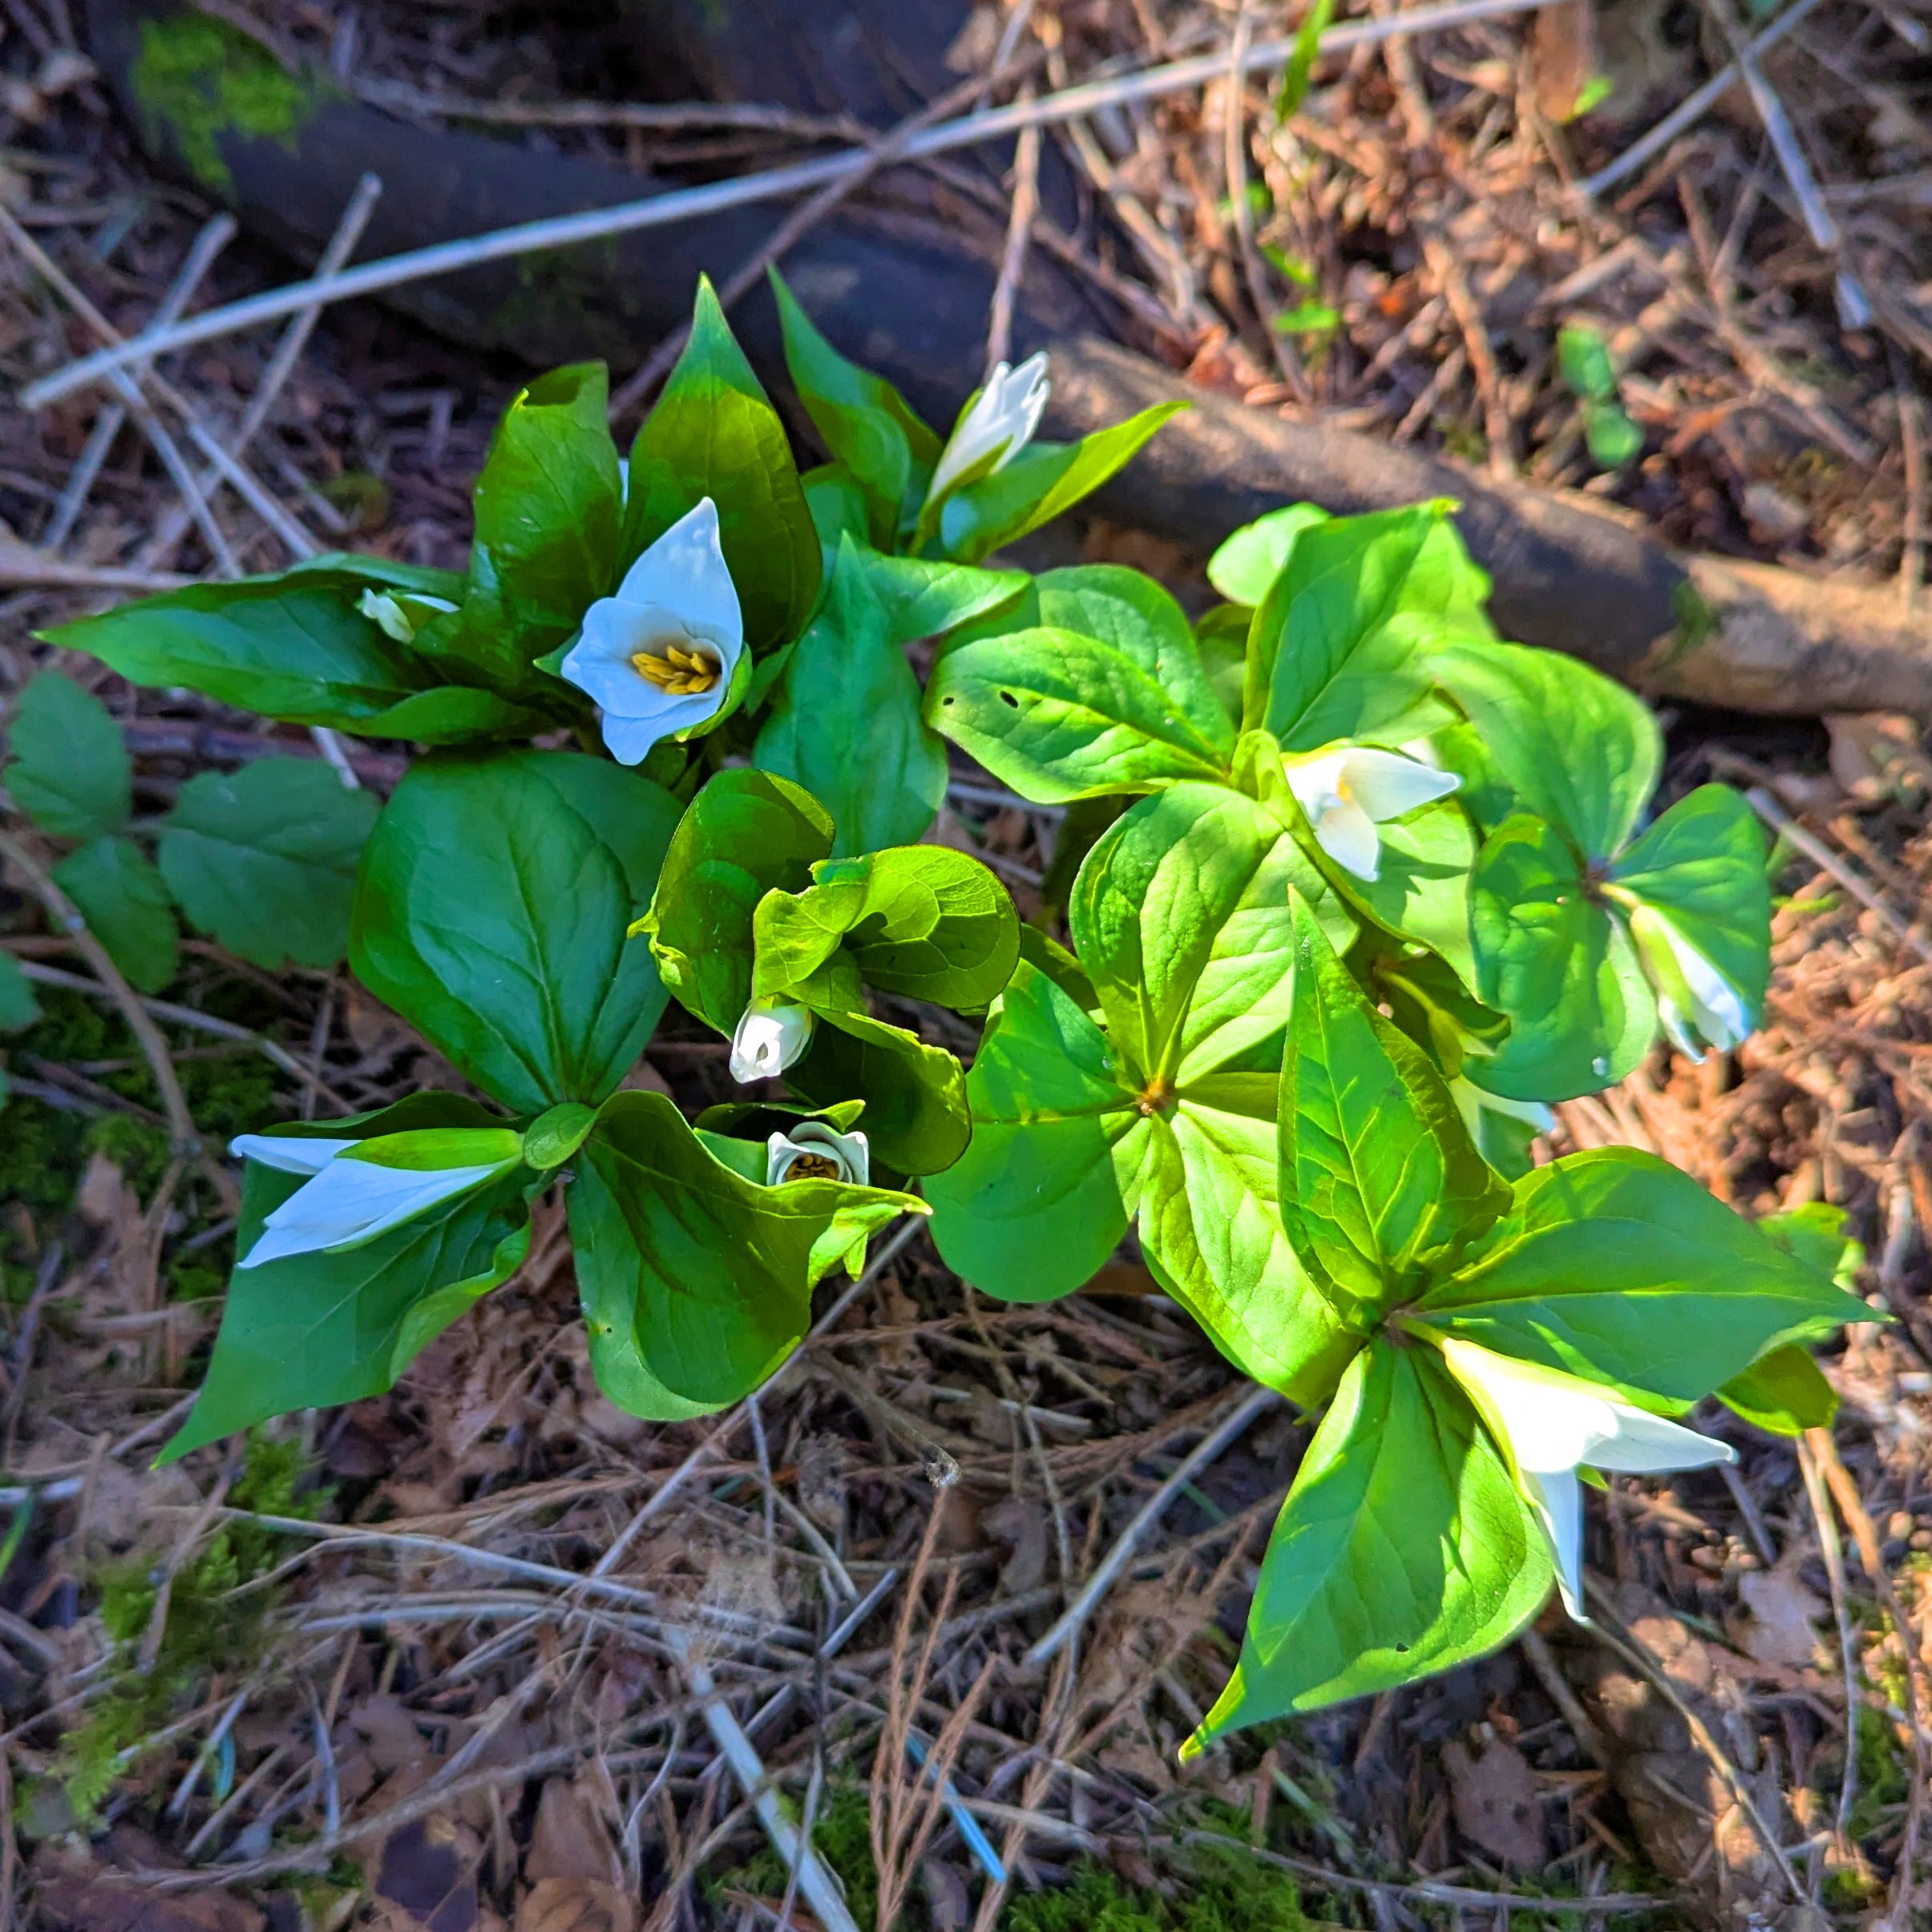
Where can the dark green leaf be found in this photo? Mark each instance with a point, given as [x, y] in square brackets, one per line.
[1042, 482]
[1380, 1186]
[847, 725]
[127, 907]
[1784, 1392]
[696, 1282]
[915, 1095]
[263, 858]
[1617, 1266]
[928, 596]
[1403, 1548]
[1575, 748]
[491, 910]
[714, 434]
[1581, 1013]
[18, 1008]
[921, 921]
[1043, 1194]
[746, 834]
[311, 1330]
[867, 425]
[66, 767]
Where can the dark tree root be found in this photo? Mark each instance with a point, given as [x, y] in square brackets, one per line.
[907, 291]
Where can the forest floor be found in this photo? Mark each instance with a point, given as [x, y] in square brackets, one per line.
[404, 1664]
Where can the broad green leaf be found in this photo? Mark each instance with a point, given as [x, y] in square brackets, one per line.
[1340, 646]
[1581, 1012]
[491, 912]
[1248, 561]
[1617, 1266]
[1403, 1548]
[1703, 864]
[1212, 1231]
[1043, 1194]
[867, 425]
[846, 724]
[928, 596]
[66, 767]
[1043, 481]
[1431, 1003]
[914, 1094]
[837, 504]
[746, 834]
[695, 1282]
[714, 434]
[918, 920]
[125, 903]
[549, 505]
[311, 1330]
[263, 858]
[18, 1008]
[1785, 1391]
[1221, 637]
[1815, 1234]
[1421, 889]
[1380, 1186]
[1576, 749]
[1180, 915]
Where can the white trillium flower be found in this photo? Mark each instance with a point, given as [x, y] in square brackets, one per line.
[1698, 1005]
[401, 613]
[813, 1150]
[1547, 1422]
[1350, 790]
[658, 657]
[1000, 423]
[768, 1039]
[354, 1194]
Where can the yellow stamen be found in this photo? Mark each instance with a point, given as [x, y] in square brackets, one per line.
[812, 1167]
[680, 670]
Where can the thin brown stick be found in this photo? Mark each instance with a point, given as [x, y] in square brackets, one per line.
[1834, 1554]
[1019, 238]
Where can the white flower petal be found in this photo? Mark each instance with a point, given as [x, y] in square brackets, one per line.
[850, 1153]
[382, 610]
[1644, 1443]
[1557, 1499]
[1003, 417]
[350, 1201]
[628, 739]
[1386, 785]
[767, 1040]
[1316, 781]
[286, 1152]
[1686, 1042]
[684, 572]
[1348, 835]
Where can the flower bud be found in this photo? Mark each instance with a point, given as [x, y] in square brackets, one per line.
[769, 1038]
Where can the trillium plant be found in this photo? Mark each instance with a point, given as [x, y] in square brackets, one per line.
[1360, 890]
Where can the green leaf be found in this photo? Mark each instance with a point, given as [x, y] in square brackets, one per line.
[867, 424]
[1181, 916]
[914, 1094]
[1815, 1234]
[928, 596]
[1381, 1186]
[695, 1282]
[1211, 1232]
[746, 834]
[491, 912]
[1703, 864]
[1043, 1194]
[1581, 1013]
[1247, 563]
[1221, 637]
[1613, 439]
[847, 725]
[67, 769]
[548, 504]
[310, 1330]
[714, 434]
[1104, 691]
[1616, 1266]
[1403, 1550]
[1043, 481]
[1575, 748]
[1340, 646]
[1784, 1392]
[1301, 70]
[921, 921]
[1582, 359]
[18, 1008]
[124, 900]
[1421, 889]
[263, 858]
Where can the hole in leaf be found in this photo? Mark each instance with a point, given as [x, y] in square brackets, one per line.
[1007, 697]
